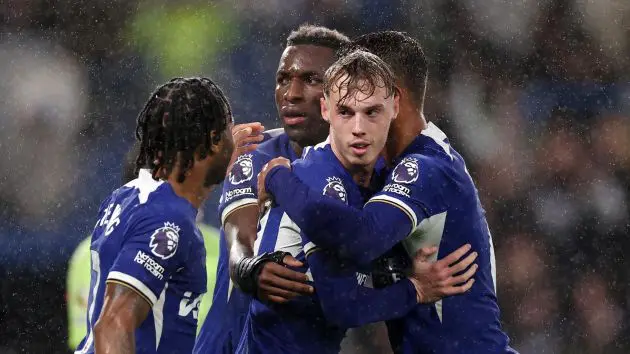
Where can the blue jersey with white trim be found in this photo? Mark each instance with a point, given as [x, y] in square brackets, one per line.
[300, 326]
[431, 185]
[146, 239]
[221, 331]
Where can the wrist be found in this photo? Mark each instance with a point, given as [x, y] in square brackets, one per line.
[246, 274]
[247, 270]
[419, 292]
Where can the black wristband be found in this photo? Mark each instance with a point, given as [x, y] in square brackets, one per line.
[391, 267]
[248, 269]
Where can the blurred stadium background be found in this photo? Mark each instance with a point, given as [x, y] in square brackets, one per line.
[535, 93]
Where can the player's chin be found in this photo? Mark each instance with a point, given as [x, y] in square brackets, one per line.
[311, 131]
[299, 133]
[362, 160]
[295, 131]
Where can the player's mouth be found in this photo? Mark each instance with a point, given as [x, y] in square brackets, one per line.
[292, 116]
[360, 148]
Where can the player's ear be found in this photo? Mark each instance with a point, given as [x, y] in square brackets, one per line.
[324, 108]
[215, 139]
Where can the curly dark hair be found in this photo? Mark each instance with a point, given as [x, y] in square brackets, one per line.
[317, 35]
[176, 122]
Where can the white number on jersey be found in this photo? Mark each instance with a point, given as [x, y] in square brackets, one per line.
[187, 305]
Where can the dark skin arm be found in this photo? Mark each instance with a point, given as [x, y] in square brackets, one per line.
[275, 283]
[123, 311]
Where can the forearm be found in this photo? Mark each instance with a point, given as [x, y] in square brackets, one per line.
[240, 229]
[238, 249]
[112, 339]
[349, 304]
[240, 235]
[375, 305]
[359, 235]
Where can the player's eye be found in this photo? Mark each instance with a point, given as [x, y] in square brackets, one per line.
[282, 80]
[373, 112]
[344, 112]
[313, 80]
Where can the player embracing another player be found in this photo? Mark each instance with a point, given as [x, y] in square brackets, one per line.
[360, 102]
[428, 200]
[309, 51]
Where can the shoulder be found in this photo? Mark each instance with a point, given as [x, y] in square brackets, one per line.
[415, 176]
[415, 169]
[272, 133]
[321, 173]
[143, 186]
[273, 141]
[167, 206]
[316, 161]
[164, 215]
[320, 154]
[166, 231]
[246, 166]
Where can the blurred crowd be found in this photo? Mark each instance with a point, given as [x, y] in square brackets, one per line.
[534, 93]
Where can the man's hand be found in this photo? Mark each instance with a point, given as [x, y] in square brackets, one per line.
[435, 280]
[245, 136]
[263, 196]
[280, 284]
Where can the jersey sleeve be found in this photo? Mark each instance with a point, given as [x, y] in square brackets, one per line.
[410, 189]
[156, 245]
[360, 235]
[240, 186]
[345, 301]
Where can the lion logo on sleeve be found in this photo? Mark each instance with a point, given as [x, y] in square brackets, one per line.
[164, 240]
[335, 189]
[406, 171]
[243, 169]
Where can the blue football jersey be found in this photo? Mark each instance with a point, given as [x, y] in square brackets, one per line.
[221, 331]
[431, 185]
[300, 326]
[146, 239]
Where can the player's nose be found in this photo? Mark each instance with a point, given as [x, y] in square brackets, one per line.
[358, 128]
[295, 91]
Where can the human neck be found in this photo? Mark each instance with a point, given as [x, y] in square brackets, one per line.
[403, 131]
[297, 148]
[191, 189]
[361, 175]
